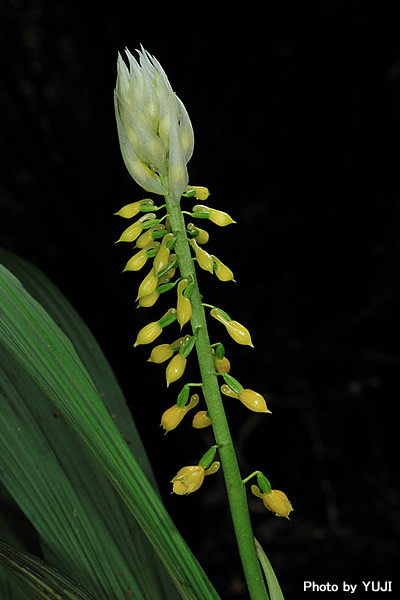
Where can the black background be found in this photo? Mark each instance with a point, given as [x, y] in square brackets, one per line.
[296, 119]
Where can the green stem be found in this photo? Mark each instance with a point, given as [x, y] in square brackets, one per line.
[236, 492]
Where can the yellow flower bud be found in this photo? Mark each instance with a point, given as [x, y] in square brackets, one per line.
[202, 193]
[202, 236]
[253, 401]
[162, 257]
[139, 259]
[131, 233]
[174, 415]
[218, 217]
[276, 501]
[222, 365]
[222, 271]
[228, 391]
[148, 285]
[161, 353]
[147, 237]
[148, 300]
[201, 420]
[204, 260]
[189, 479]
[237, 331]
[183, 305]
[148, 333]
[131, 210]
[175, 368]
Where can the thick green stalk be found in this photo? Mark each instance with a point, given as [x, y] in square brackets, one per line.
[236, 492]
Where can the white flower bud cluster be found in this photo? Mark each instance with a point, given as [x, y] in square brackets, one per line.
[154, 129]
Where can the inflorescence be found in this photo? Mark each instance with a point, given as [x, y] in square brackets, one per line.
[156, 141]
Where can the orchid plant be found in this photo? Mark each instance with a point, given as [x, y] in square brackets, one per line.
[95, 526]
[156, 140]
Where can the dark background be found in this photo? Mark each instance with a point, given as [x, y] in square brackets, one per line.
[296, 118]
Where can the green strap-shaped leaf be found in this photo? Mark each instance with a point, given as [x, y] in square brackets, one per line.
[86, 346]
[275, 592]
[46, 354]
[37, 578]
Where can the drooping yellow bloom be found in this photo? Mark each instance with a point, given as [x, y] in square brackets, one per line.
[174, 415]
[147, 237]
[276, 501]
[161, 353]
[202, 236]
[148, 300]
[148, 285]
[252, 400]
[204, 259]
[222, 365]
[175, 368]
[201, 193]
[237, 331]
[148, 333]
[222, 271]
[131, 210]
[201, 420]
[183, 305]
[162, 257]
[189, 479]
[131, 233]
[216, 216]
[139, 259]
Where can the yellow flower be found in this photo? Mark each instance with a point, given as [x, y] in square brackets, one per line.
[148, 285]
[222, 271]
[252, 400]
[148, 333]
[148, 300]
[201, 420]
[237, 331]
[202, 236]
[161, 353]
[131, 210]
[189, 479]
[216, 216]
[276, 501]
[201, 193]
[147, 237]
[131, 233]
[222, 365]
[204, 260]
[139, 259]
[183, 306]
[174, 415]
[175, 368]
[162, 257]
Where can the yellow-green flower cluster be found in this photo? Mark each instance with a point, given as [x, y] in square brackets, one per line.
[156, 140]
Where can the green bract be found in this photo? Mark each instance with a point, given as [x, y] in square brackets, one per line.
[154, 129]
